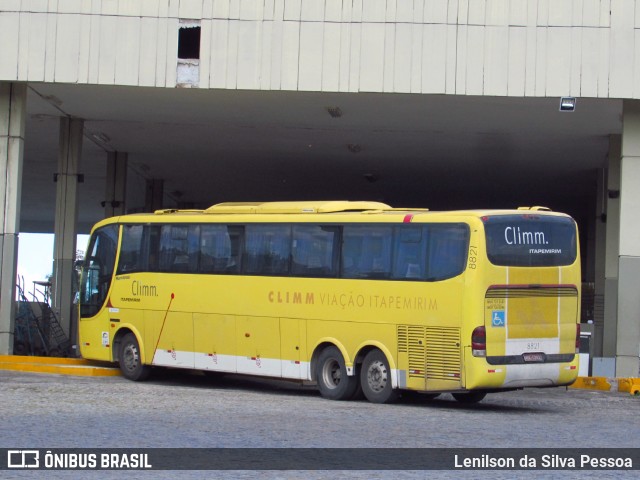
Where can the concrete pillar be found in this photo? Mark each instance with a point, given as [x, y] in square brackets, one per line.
[116, 187]
[628, 327]
[13, 102]
[154, 193]
[599, 252]
[612, 249]
[66, 220]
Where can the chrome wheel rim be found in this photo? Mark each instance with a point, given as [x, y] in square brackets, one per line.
[377, 376]
[331, 373]
[130, 357]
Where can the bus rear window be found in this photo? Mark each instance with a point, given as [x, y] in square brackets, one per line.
[530, 240]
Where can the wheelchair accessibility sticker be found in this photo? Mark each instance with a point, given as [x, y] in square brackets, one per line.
[497, 318]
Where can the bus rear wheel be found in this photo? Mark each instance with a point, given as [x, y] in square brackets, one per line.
[331, 372]
[469, 397]
[375, 378]
[130, 360]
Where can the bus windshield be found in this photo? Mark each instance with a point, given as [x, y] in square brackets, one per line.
[530, 240]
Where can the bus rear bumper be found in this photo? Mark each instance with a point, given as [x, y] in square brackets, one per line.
[520, 376]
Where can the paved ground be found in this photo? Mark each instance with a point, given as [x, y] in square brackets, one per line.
[52, 411]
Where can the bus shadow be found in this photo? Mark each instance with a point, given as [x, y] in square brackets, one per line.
[230, 381]
[447, 402]
[218, 381]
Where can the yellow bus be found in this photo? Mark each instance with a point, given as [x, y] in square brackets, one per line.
[358, 297]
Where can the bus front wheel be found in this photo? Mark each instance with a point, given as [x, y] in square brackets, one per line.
[331, 372]
[130, 360]
[375, 378]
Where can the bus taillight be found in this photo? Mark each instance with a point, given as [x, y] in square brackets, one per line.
[577, 338]
[479, 342]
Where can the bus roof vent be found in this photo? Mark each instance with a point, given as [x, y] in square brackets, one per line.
[536, 208]
[165, 211]
[297, 207]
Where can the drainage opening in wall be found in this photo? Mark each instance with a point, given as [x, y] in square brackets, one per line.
[188, 69]
[189, 41]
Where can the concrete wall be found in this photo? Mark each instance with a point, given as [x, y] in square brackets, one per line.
[582, 48]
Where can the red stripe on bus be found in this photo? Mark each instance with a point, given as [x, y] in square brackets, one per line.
[534, 285]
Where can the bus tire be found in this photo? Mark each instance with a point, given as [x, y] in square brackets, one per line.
[469, 398]
[130, 361]
[375, 378]
[331, 373]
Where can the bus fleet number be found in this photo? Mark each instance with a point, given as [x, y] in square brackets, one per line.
[473, 257]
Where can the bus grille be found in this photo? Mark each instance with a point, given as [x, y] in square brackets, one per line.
[527, 291]
[443, 353]
[411, 340]
[434, 349]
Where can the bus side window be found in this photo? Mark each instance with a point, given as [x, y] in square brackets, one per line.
[366, 251]
[409, 253]
[208, 243]
[447, 250]
[179, 247]
[193, 248]
[220, 248]
[351, 247]
[131, 251]
[235, 234]
[153, 252]
[267, 249]
[312, 251]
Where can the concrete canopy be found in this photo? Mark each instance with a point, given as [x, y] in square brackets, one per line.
[209, 146]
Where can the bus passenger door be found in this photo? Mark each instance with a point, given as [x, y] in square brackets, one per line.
[95, 285]
[291, 349]
[259, 346]
[215, 342]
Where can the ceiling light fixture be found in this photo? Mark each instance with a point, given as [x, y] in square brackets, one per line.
[567, 104]
[100, 137]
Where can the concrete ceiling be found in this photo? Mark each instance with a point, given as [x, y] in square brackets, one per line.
[430, 151]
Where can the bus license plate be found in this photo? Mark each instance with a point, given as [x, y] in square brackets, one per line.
[534, 357]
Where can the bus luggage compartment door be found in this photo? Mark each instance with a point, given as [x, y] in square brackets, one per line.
[258, 343]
